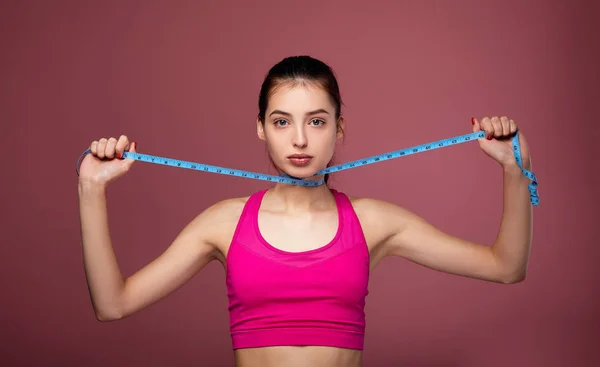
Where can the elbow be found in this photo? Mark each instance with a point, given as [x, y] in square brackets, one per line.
[102, 317]
[514, 277]
[110, 310]
[105, 316]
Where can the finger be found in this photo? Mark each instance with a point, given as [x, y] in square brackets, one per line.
[101, 148]
[110, 147]
[505, 125]
[94, 147]
[132, 147]
[513, 126]
[122, 144]
[497, 126]
[486, 125]
[476, 124]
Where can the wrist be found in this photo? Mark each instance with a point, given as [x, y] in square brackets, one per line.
[512, 165]
[512, 169]
[87, 186]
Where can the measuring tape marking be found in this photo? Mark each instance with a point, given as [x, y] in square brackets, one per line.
[404, 152]
[215, 169]
[284, 178]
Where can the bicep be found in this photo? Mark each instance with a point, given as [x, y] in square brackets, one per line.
[415, 239]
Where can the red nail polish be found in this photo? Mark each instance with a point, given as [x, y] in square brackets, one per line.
[472, 120]
[489, 137]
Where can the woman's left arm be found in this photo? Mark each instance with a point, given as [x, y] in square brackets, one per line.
[410, 236]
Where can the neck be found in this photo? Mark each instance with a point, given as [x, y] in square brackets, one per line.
[300, 198]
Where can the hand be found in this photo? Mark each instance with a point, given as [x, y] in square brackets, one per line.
[100, 166]
[499, 132]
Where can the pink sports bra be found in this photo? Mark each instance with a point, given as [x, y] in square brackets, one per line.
[315, 297]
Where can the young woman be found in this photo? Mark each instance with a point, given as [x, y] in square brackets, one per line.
[297, 259]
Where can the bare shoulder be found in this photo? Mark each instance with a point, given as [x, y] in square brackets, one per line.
[380, 220]
[224, 210]
[218, 223]
[373, 210]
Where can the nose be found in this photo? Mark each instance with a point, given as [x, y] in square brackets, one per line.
[300, 140]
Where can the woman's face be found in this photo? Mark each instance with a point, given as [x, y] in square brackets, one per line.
[300, 129]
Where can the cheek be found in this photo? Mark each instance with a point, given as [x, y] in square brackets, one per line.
[329, 142]
[275, 148]
[326, 148]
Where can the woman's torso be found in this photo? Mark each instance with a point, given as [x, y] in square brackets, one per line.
[291, 233]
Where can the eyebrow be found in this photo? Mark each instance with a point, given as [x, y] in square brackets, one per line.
[320, 110]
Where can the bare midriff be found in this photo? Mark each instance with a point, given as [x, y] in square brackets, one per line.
[292, 356]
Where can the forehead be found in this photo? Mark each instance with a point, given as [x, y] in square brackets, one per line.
[299, 96]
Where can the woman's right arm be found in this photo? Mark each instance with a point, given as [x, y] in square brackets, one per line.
[113, 296]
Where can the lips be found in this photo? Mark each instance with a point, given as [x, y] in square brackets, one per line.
[300, 159]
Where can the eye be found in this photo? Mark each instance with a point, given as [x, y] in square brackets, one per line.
[317, 121]
[279, 122]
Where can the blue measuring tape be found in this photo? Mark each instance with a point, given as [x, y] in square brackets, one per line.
[533, 194]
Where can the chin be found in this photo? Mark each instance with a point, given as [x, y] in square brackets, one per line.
[302, 172]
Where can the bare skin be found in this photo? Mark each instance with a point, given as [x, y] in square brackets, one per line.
[389, 229]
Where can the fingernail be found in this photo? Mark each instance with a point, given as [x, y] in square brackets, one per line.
[489, 137]
[472, 120]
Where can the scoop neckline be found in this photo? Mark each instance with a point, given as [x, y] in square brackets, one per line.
[297, 253]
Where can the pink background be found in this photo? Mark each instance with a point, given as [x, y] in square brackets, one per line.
[182, 79]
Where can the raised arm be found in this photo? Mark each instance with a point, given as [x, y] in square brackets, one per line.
[398, 232]
[113, 296]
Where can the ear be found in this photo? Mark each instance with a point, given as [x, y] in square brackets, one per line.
[260, 130]
[341, 126]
